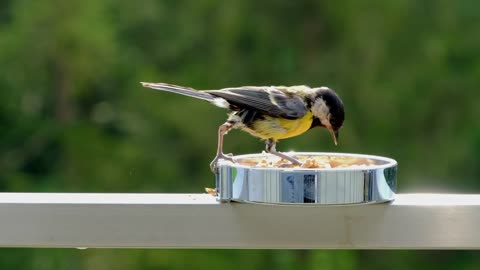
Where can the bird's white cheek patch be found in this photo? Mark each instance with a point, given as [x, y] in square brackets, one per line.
[220, 102]
[320, 109]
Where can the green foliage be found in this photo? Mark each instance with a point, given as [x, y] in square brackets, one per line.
[73, 116]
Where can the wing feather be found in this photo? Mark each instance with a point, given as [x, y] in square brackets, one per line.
[268, 100]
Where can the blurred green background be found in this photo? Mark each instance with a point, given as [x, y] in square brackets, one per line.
[74, 118]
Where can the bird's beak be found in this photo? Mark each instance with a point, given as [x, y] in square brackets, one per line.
[334, 134]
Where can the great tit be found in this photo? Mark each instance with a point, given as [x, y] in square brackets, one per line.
[270, 113]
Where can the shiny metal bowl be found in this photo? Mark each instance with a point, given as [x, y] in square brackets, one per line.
[351, 185]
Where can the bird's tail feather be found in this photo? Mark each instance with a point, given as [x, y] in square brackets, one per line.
[186, 91]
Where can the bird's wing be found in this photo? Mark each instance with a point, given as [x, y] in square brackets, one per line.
[268, 100]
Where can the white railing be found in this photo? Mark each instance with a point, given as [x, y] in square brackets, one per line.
[199, 221]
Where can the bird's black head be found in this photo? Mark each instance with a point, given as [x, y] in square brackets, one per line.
[328, 108]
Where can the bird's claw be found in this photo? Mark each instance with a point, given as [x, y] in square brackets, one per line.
[291, 164]
[213, 164]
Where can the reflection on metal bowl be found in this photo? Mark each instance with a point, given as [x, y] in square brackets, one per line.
[333, 179]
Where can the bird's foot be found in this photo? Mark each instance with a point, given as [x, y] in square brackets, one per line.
[290, 164]
[293, 162]
[213, 164]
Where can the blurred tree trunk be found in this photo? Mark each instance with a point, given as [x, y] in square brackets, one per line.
[62, 92]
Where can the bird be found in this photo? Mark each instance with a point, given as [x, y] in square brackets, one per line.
[271, 113]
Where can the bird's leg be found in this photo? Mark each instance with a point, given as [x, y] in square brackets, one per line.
[270, 148]
[222, 130]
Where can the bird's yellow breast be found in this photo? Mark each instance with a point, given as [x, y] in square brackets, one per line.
[279, 128]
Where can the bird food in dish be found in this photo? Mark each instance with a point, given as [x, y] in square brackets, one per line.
[310, 162]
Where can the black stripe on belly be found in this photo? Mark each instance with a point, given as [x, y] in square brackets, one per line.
[316, 123]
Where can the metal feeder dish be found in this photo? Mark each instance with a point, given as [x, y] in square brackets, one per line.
[257, 178]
